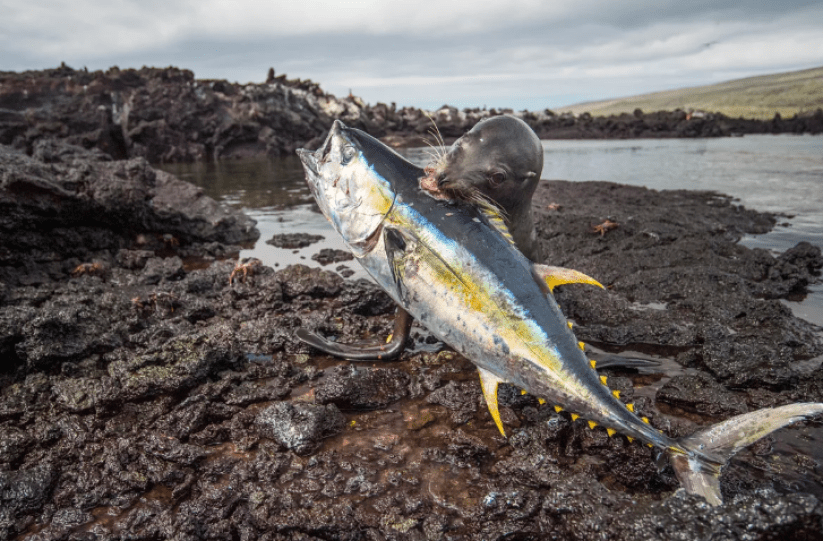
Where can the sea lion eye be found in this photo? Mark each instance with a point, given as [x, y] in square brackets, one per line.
[348, 154]
[497, 178]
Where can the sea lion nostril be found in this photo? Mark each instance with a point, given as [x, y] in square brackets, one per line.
[441, 180]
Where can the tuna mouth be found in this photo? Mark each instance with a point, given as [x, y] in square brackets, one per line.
[309, 159]
[312, 158]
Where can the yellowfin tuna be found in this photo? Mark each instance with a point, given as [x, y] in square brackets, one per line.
[454, 268]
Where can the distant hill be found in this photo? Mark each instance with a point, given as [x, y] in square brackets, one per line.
[753, 97]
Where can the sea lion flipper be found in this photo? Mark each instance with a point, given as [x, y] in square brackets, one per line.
[556, 276]
[379, 352]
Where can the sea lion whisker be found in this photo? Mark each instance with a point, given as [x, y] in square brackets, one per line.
[435, 152]
[438, 137]
[437, 147]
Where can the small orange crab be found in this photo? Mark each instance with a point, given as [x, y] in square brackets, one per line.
[246, 267]
[607, 225]
[91, 269]
[553, 206]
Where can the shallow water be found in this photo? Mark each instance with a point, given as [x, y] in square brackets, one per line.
[782, 174]
[775, 173]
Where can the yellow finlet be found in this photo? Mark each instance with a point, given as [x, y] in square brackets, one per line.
[593, 363]
[541, 401]
[523, 391]
[489, 383]
[650, 445]
[557, 276]
[569, 323]
[611, 432]
[388, 338]
[575, 417]
[630, 407]
[558, 409]
[603, 380]
[630, 439]
[581, 345]
[616, 393]
[645, 420]
[592, 424]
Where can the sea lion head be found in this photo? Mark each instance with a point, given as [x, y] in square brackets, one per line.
[500, 157]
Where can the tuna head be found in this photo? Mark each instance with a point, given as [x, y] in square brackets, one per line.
[351, 193]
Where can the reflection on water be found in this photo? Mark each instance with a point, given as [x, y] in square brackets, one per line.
[254, 183]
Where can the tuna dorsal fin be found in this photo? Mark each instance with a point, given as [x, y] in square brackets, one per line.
[489, 383]
[557, 276]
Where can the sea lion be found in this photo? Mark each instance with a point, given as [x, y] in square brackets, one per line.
[499, 160]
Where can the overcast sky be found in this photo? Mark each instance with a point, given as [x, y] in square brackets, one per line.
[528, 54]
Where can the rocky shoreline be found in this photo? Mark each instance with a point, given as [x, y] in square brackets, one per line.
[151, 389]
[166, 115]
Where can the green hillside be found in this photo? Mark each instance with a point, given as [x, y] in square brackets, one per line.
[754, 97]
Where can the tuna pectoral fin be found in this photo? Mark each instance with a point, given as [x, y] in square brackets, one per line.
[557, 276]
[489, 383]
[711, 448]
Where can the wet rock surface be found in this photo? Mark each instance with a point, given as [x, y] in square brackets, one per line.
[166, 115]
[294, 240]
[145, 398]
[299, 427]
[330, 255]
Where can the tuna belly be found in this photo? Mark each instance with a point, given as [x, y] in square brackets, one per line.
[464, 310]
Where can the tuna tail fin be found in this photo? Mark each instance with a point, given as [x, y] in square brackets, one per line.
[708, 450]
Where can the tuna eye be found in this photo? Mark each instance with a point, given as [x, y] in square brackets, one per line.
[497, 178]
[348, 154]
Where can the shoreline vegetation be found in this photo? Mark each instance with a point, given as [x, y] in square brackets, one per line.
[166, 115]
[761, 97]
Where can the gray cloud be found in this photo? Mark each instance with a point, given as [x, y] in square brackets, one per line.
[516, 53]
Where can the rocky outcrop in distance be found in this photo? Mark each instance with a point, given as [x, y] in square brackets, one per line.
[166, 115]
